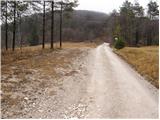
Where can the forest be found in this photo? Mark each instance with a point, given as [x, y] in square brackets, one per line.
[29, 23]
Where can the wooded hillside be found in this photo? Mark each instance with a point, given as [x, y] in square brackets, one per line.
[80, 25]
[133, 24]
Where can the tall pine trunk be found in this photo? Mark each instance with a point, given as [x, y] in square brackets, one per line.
[137, 38]
[20, 26]
[137, 33]
[61, 26]
[43, 42]
[14, 27]
[6, 42]
[52, 25]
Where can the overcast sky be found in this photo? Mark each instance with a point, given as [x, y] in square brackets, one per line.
[105, 6]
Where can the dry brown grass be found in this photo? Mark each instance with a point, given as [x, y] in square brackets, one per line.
[79, 45]
[19, 64]
[27, 52]
[36, 57]
[145, 60]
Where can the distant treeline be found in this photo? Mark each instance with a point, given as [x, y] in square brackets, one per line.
[133, 25]
[130, 23]
[78, 25]
[20, 19]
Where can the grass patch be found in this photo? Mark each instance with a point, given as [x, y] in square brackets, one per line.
[27, 71]
[145, 60]
[28, 52]
[37, 58]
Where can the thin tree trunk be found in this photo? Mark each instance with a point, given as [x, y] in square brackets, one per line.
[43, 42]
[20, 22]
[6, 28]
[14, 27]
[137, 38]
[52, 25]
[61, 26]
[137, 33]
[151, 30]
[149, 33]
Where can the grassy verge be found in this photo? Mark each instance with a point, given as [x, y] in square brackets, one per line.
[29, 72]
[9, 56]
[145, 60]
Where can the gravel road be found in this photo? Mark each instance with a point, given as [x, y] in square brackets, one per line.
[118, 91]
[100, 85]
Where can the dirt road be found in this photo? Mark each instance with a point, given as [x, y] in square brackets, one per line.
[100, 85]
[119, 92]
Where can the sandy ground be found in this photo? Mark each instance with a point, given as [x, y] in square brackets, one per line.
[100, 85]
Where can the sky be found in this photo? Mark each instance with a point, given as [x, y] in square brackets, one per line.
[105, 6]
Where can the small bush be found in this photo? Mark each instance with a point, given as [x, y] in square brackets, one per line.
[119, 43]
